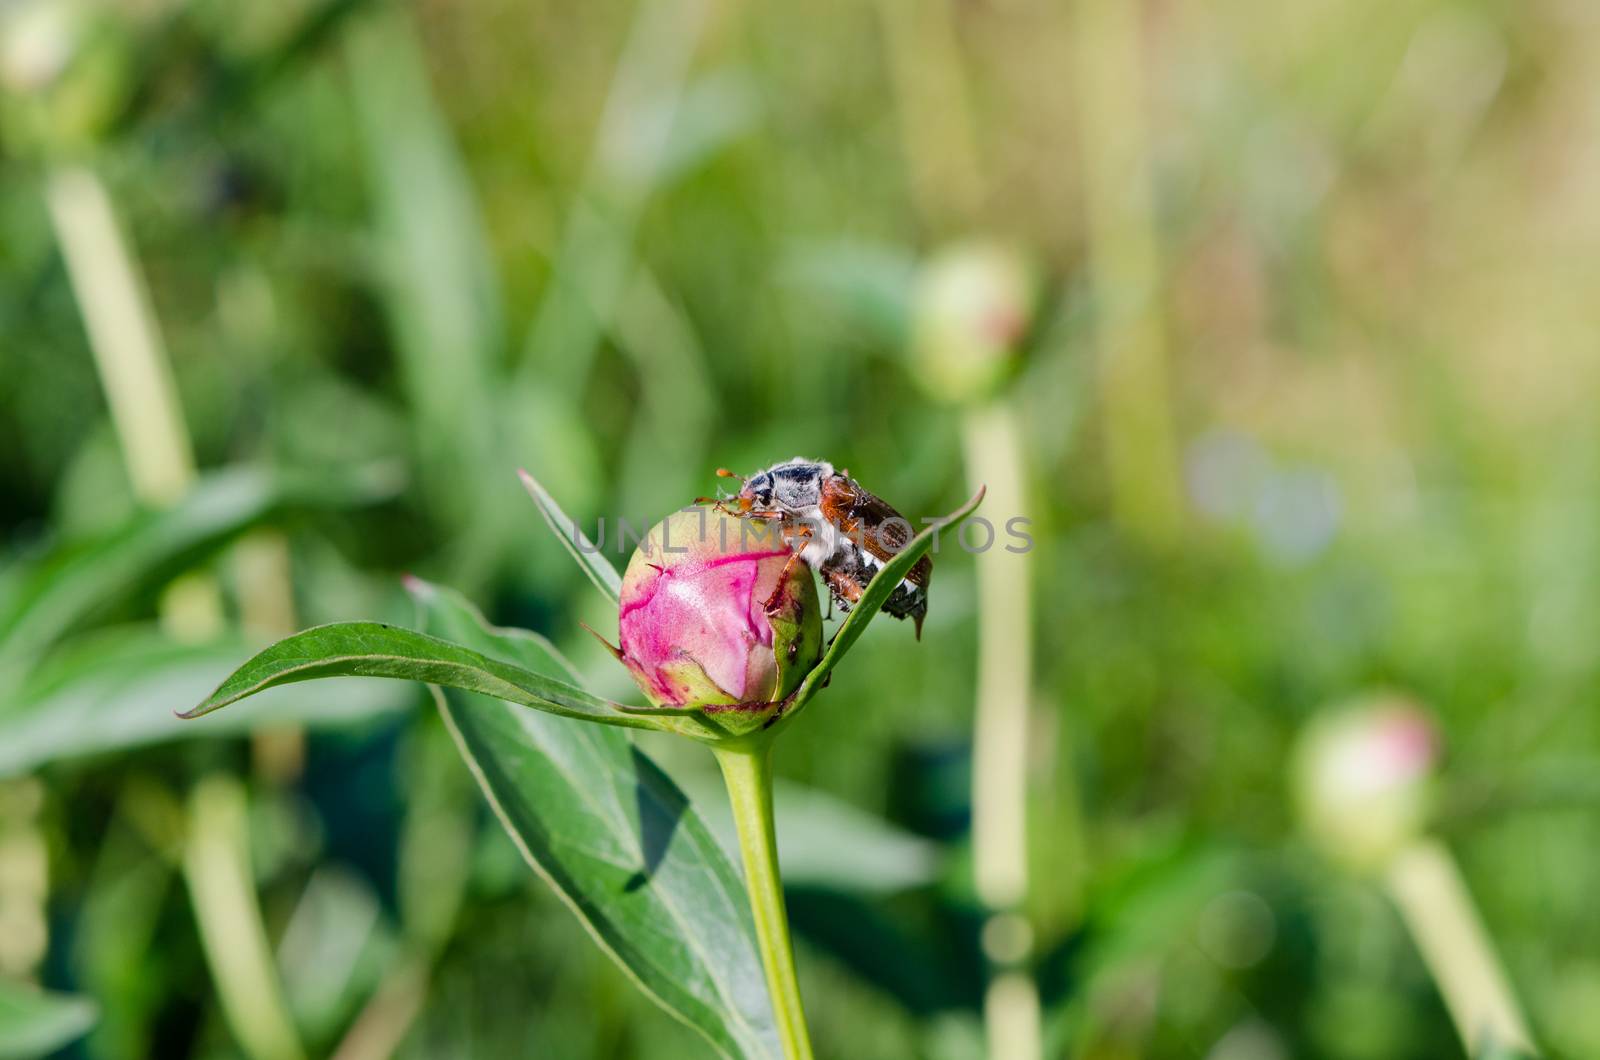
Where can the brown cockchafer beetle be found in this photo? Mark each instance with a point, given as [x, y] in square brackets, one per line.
[839, 529]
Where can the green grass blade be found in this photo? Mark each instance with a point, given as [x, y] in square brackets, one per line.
[115, 691]
[45, 600]
[36, 1023]
[439, 283]
[589, 557]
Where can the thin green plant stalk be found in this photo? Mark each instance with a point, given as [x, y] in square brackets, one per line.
[747, 771]
[948, 183]
[24, 879]
[595, 258]
[131, 360]
[264, 588]
[132, 363]
[1426, 886]
[260, 563]
[387, 1018]
[1124, 260]
[216, 866]
[992, 440]
[936, 126]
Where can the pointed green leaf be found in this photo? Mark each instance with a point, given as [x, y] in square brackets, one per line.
[717, 109]
[34, 1022]
[440, 288]
[595, 565]
[375, 649]
[116, 689]
[41, 602]
[617, 841]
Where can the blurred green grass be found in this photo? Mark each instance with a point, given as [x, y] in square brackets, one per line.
[625, 245]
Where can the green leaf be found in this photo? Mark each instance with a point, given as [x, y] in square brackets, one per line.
[34, 1022]
[597, 253]
[41, 602]
[595, 565]
[617, 841]
[661, 462]
[870, 286]
[335, 948]
[376, 649]
[439, 283]
[116, 690]
[717, 109]
[871, 602]
[439, 286]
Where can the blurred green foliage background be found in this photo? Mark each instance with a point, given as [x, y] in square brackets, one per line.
[1305, 403]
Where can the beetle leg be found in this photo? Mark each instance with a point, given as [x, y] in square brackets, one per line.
[783, 576]
[846, 578]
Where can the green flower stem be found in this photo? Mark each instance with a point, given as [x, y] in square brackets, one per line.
[1125, 269]
[216, 865]
[996, 455]
[993, 446]
[923, 42]
[132, 363]
[1433, 901]
[131, 359]
[994, 450]
[747, 770]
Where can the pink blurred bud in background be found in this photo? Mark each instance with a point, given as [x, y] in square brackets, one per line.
[1362, 777]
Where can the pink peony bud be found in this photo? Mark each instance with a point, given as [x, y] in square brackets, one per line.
[1362, 778]
[717, 614]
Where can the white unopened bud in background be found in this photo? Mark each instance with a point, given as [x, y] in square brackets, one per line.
[972, 309]
[37, 38]
[1362, 777]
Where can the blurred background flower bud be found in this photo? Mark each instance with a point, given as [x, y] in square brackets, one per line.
[68, 72]
[1362, 777]
[37, 39]
[714, 614]
[971, 310]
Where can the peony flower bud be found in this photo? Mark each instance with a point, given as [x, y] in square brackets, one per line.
[717, 614]
[973, 306]
[37, 39]
[1362, 779]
